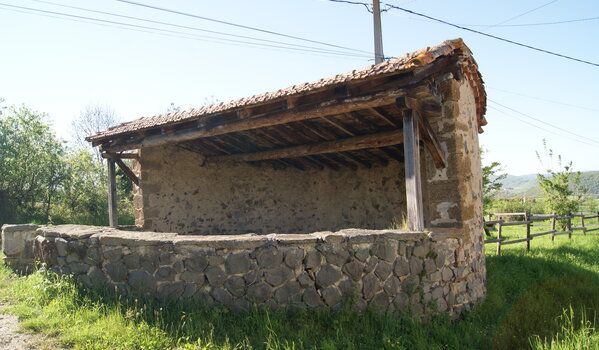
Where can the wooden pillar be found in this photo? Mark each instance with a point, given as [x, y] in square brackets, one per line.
[112, 201]
[412, 170]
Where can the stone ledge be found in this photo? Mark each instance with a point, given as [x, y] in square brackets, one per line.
[19, 227]
[136, 238]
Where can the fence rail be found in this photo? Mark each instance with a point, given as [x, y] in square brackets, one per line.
[529, 220]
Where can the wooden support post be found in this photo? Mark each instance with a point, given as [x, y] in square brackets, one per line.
[569, 227]
[584, 229]
[528, 223]
[499, 239]
[412, 171]
[112, 201]
[553, 223]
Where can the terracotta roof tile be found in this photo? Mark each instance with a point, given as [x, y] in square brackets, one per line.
[406, 62]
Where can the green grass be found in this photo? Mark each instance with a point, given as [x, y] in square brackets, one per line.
[524, 308]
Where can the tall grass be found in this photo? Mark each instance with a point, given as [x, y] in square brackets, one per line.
[527, 294]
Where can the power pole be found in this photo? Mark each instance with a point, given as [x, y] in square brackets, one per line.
[378, 36]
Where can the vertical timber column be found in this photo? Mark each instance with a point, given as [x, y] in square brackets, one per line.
[112, 206]
[412, 167]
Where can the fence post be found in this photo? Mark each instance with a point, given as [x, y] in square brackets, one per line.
[569, 227]
[526, 218]
[553, 223]
[499, 239]
[584, 229]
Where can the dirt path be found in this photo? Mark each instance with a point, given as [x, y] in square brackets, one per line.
[12, 339]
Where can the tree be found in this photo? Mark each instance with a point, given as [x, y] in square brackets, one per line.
[31, 165]
[491, 182]
[561, 188]
[93, 119]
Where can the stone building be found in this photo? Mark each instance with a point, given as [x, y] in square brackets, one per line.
[387, 156]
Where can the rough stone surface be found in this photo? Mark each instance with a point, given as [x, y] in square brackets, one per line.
[238, 263]
[259, 292]
[327, 276]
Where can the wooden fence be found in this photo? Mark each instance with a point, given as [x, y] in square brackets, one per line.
[530, 219]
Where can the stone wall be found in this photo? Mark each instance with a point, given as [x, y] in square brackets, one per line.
[17, 246]
[179, 194]
[386, 270]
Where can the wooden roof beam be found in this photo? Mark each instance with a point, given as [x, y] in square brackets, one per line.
[322, 109]
[382, 139]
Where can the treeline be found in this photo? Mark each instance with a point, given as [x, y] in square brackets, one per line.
[44, 180]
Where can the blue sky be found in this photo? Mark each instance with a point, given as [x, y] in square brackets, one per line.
[59, 66]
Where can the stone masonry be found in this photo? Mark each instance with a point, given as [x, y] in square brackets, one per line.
[17, 246]
[384, 270]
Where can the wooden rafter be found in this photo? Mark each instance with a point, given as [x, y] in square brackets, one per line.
[323, 109]
[382, 139]
[382, 115]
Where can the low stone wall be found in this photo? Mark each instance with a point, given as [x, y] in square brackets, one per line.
[387, 270]
[17, 246]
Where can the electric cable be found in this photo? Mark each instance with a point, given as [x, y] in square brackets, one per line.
[240, 25]
[182, 34]
[543, 122]
[185, 27]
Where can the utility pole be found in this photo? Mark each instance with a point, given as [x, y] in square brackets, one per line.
[378, 36]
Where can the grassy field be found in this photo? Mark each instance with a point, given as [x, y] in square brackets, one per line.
[545, 299]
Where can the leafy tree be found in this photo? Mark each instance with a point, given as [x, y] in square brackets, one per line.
[491, 182]
[561, 188]
[31, 166]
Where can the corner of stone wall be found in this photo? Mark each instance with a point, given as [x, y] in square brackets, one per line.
[17, 246]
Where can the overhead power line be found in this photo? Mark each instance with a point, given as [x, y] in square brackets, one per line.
[240, 26]
[544, 99]
[561, 129]
[179, 34]
[533, 24]
[523, 14]
[541, 128]
[491, 36]
[192, 28]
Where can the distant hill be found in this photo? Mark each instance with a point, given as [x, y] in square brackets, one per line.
[528, 185]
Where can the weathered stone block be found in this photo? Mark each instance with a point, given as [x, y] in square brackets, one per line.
[362, 254]
[311, 298]
[112, 254]
[354, 270]
[142, 282]
[165, 273]
[313, 259]
[371, 285]
[277, 276]
[294, 257]
[116, 271]
[216, 276]
[97, 277]
[170, 290]
[386, 250]
[331, 296]
[196, 263]
[238, 263]
[193, 277]
[221, 296]
[416, 265]
[259, 292]
[383, 270]
[402, 267]
[235, 285]
[337, 255]
[61, 246]
[288, 293]
[269, 257]
[327, 276]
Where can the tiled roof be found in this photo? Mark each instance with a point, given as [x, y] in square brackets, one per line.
[406, 62]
